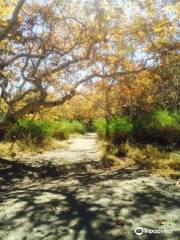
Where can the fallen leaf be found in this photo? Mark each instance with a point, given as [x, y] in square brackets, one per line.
[120, 222]
[161, 221]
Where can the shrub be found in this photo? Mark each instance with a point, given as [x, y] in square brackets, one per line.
[100, 127]
[160, 127]
[78, 127]
[176, 115]
[30, 130]
[63, 128]
[119, 129]
[36, 131]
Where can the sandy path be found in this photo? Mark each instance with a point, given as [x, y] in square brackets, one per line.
[105, 206]
[80, 149]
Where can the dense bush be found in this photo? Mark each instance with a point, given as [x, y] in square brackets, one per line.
[78, 127]
[118, 129]
[176, 115]
[100, 127]
[30, 130]
[160, 127]
[62, 129]
[36, 131]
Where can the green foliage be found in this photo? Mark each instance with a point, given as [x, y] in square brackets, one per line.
[78, 127]
[36, 131]
[160, 127]
[62, 129]
[30, 131]
[100, 127]
[118, 129]
[176, 115]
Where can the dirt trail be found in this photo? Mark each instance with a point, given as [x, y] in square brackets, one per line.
[80, 149]
[85, 206]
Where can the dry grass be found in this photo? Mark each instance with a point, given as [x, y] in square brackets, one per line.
[111, 158]
[155, 160]
[148, 157]
[9, 149]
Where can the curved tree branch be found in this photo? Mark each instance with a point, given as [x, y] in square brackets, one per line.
[13, 20]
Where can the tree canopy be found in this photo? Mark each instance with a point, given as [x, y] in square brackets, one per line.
[51, 51]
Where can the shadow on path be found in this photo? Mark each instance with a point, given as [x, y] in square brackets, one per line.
[108, 205]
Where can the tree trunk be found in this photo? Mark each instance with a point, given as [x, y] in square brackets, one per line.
[11, 118]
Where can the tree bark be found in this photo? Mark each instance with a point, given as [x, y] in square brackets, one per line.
[11, 118]
[12, 22]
